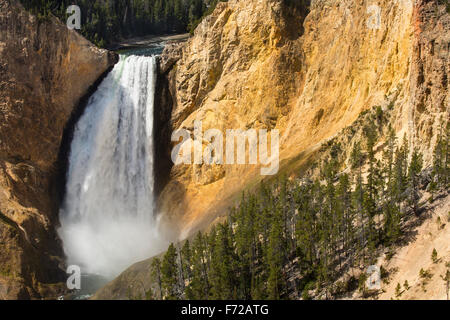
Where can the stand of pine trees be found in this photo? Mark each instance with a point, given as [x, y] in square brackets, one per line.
[107, 21]
[303, 234]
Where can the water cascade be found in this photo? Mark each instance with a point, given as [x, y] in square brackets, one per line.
[107, 217]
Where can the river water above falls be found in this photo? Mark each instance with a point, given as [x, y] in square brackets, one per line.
[107, 217]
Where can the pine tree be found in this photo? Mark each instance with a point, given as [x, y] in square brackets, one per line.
[306, 225]
[186, 255]
[406, 285]
[401, 171]
[391, 209]
[199, 286]
[346, 216]
[398, 290]
[357, 161]
[441, 167]
[371, 194]
[245, 243]
[169, 274]
[415, 167]
[156, 275]
[275, 258]
[222, 273]
[398, 188]
[181, 272]
[434, 256]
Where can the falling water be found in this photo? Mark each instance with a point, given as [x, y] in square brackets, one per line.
[107, 219]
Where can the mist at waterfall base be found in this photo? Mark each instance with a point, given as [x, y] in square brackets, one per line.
[107, 217]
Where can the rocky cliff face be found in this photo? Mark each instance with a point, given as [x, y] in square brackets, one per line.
[430, 68]
[45, 69]
[307, 70]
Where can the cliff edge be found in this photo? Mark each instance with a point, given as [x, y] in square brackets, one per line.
[45, 69]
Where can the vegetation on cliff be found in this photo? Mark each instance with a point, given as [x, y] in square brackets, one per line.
[296, 237]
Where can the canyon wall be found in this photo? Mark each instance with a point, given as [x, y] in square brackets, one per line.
[430, 68]
[307, 69]
[45, 71]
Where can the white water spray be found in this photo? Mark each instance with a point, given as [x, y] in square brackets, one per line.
[107, 218]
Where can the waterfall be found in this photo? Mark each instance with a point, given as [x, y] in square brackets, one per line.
[107, 217]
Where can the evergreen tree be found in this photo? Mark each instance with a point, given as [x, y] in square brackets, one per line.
[306, 227]
[199, 286]
[401, 171]
[369, 202]
[346, 217]
[441, 166]
[357, 161]
[415, 167]
[169, 274]
[434, 256]
[222, 273]
[186, 255]
[156, 275]
[244, 225]
[391, 209]
[275, 258]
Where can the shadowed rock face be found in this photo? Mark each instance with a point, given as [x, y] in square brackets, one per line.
[430, 70]
[308, 71]
[45, 69]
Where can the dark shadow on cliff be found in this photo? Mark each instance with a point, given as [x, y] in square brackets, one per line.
[294, 13]
[162, 130]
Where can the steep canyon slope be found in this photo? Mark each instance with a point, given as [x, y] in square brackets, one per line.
[306, 69]
[45, 69]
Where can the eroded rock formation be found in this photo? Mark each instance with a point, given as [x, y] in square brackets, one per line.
[307, 70]
[45, 69]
